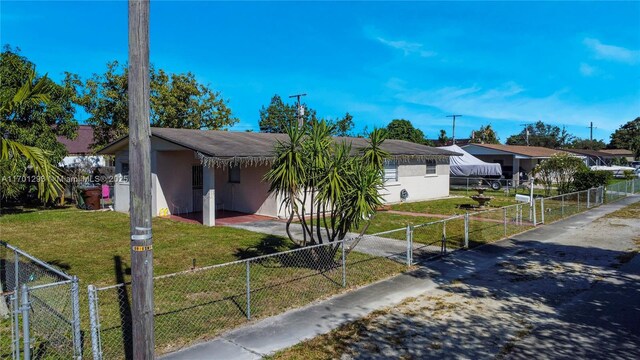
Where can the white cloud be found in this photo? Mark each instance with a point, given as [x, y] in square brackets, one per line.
[586, 69]
[407, 47]
[511, 102]
[612, 52]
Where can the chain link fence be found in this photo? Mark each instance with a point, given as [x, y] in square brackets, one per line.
[39, 308]
[195, 305]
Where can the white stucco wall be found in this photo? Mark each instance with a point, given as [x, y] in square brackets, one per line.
[412, 177]
[250, 195]
[173, 190]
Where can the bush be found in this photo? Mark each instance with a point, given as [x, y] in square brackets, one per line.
[560, 170]
[588, 179]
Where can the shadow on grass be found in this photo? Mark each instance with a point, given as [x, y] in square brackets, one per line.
[269, 244]
[124, 308]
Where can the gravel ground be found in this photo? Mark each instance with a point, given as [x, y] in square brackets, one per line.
[576, 296]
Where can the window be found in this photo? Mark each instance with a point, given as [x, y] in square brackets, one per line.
[234, 174]
[124, 172]
[431, 167]
[390, 171]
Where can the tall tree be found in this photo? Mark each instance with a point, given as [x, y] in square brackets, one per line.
[401, 129]
[276, 117]
[443, 139]
[16, 156]
[627, 137]
[579, 143]
[485, 135]
[35, 122]
[343, 126]
[177, 101]
[541, 134]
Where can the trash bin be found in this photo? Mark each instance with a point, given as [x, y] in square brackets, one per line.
[91, 197]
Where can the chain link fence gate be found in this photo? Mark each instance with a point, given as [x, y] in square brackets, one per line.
[39, 309]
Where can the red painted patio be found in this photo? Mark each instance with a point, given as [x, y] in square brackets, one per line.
[222, 218]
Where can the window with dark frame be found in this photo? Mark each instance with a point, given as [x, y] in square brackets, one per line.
[234, 174]
[124, 172]
[431, 167]
[390, 171]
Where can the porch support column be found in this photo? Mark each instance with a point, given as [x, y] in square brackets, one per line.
[208, 196]
[516, 170]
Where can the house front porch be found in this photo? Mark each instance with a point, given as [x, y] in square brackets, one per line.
[223, 217]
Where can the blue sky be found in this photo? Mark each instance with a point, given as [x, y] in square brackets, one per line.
[504, 63]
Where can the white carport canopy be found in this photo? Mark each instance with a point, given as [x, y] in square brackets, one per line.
[469, 165]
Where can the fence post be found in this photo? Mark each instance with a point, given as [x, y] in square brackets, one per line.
[16, 272]
[533, 209]
[588, 198]
[26, 308]
[626, 188]
[15, 306]
[248, 289]
[504, 219]
[408, 238]
[75, 323]
[542, 210]
[344, 267]
[443, 248]
[578, 202]
[466, 230]
[562, 205]
[93, 320]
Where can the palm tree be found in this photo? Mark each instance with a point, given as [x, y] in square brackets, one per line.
[342, 189]
[47, 175]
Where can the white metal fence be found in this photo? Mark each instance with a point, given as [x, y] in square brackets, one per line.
[40, 305]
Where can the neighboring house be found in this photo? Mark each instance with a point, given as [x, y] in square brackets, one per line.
[204, 171]
[514, 159]
[593, 157]
[79, 150]
[620, 153]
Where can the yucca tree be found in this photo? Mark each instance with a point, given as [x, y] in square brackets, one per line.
[46, 175]
[327, 185]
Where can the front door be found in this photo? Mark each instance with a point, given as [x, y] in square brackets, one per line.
[196, 188]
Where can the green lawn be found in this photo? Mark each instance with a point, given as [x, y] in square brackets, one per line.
[385, 221]
[452, 206]
[193, 305]
[88, 244]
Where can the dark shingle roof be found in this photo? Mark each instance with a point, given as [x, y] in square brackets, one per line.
[81, 145]
[589, 152]
[231, 146]
[530, 151]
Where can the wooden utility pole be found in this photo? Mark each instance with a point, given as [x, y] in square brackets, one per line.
[590, 127]
[453, 132]
[299, 110]
[140, 182]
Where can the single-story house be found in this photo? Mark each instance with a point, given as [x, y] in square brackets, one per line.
[79, 153]
[207, 170]
[515, 160]
[620, 153]
[593, 157]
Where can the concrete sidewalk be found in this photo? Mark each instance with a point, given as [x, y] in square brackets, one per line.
[266, 336]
